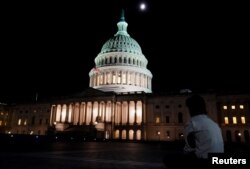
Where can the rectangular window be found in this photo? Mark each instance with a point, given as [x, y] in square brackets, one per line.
[33, 120]
[119, 78]
[109, 78]
[241, 106]
[234, 120]
[243, 120]
[226, 120]
[124, 78]
[132, 78]
[129, 79]
[168, 134]
[114, 78]
[233, 107]
[19, 122]
[25, 122]
[157, 120]
[225, 107]
[101, 79]
[167, 119]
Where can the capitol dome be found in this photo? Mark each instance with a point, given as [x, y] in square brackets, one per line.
[121, 43]
[121, 66]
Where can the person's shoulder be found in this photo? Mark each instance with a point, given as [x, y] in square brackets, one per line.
[199, 117]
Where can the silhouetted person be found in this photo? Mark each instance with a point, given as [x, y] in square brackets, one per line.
[202, 134]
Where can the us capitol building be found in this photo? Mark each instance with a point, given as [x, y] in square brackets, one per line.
[119, 103]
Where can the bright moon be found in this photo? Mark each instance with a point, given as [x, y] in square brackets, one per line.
[142, 6]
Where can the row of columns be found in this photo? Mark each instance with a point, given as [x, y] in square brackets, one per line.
[128, 134]
[120, 77]
[86, 113]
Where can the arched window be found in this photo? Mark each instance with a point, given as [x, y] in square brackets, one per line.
[246, 136]
[115, 60]
[137, 62]
[120, 59]
[106, 60]
[110, 60]
[229, 136]
[129, 61]
[116, 134]
[180, 117]
[125, 60]
[237, 136]
[106, 134]
[167, 119]
[124, 133]
[133, 61]
[138, 135]
[131, 135]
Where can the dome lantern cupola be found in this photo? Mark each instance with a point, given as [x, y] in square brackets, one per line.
[122, 26]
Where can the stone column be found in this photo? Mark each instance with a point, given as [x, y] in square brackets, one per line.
[91, 121]
[72, 114]
[98, 107]
[60, 114]
[86, 105]
[120, 113]
[105, 112]
[79, 113]
[128, 112]
[51, 116]
[67, 113]
[135, 122]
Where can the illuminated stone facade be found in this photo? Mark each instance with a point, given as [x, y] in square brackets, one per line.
[120, 105]
[4, 118]
[234, 117]
[29, 118]
[128, 116]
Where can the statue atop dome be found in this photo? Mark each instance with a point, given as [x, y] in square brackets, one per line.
[122, 25]
[122, 15]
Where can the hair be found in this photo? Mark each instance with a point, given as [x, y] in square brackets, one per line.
[196, 105]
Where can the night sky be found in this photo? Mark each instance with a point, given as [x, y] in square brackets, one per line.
[50, 48]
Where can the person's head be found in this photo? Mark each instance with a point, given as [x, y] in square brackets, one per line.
[196, 105]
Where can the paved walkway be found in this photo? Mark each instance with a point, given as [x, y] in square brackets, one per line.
[90, 155]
